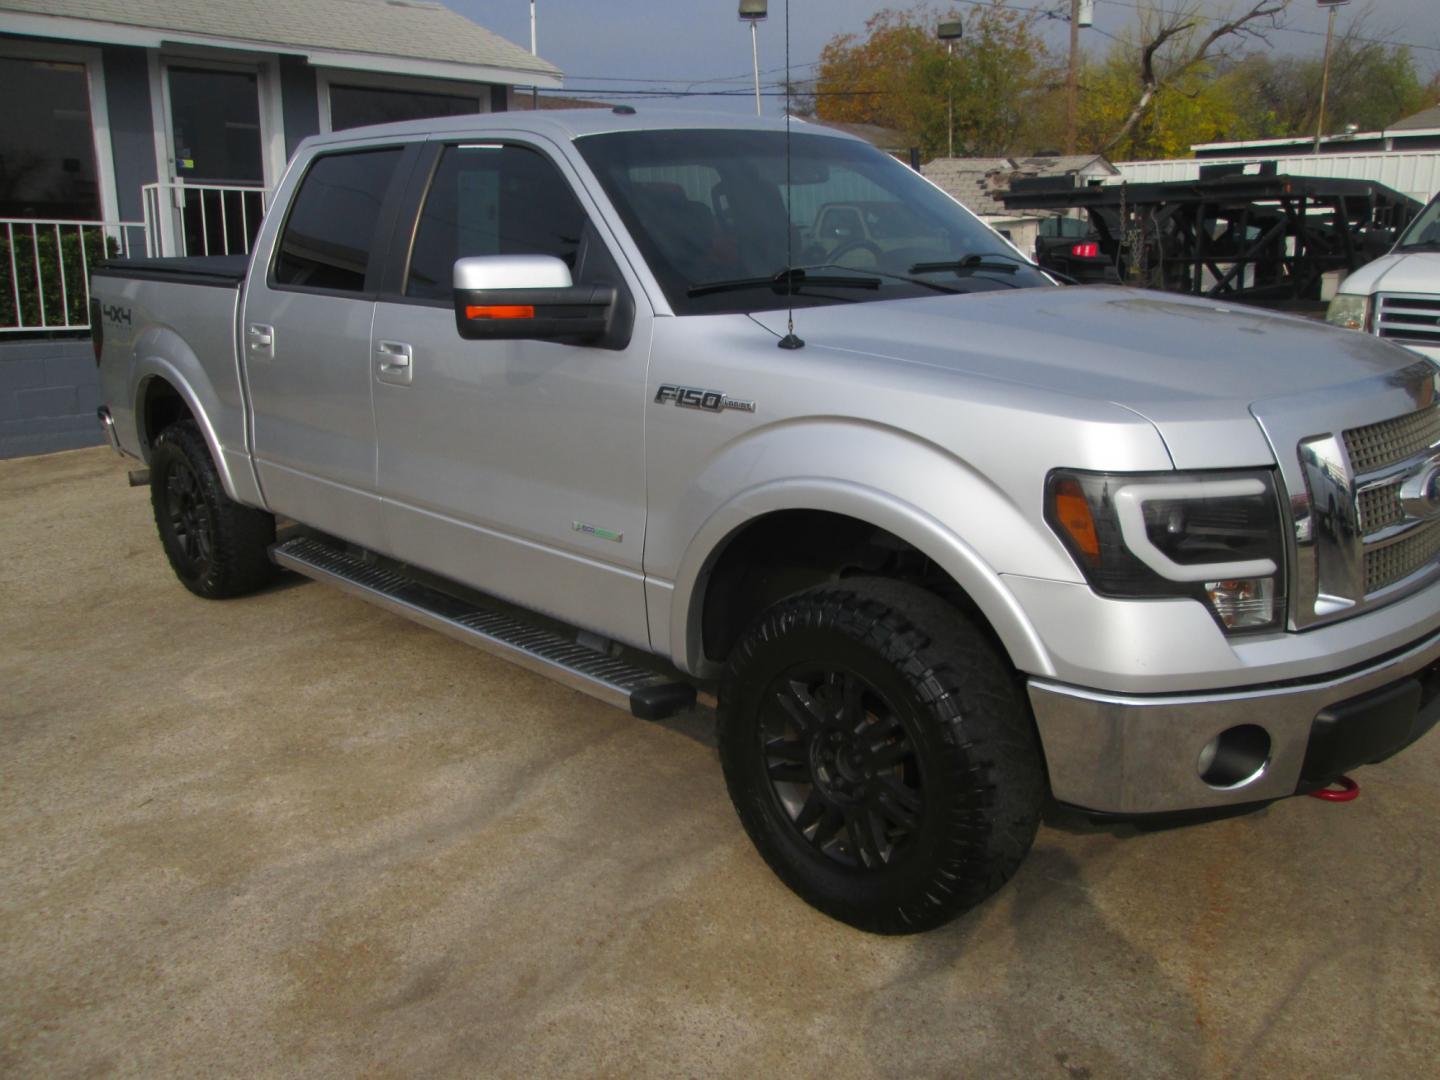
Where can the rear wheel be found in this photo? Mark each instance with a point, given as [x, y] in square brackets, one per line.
[880, 754]
[216, 547]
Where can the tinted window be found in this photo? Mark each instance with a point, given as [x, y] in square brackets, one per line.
[491, 200]
[47, 152]
[328, 238]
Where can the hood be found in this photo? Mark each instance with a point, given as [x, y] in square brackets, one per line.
[1191, 367]
[1400, 271]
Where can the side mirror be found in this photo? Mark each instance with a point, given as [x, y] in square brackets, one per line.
[518, 297]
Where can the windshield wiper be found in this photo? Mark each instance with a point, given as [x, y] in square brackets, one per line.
[790, 279]
[970, 263]
[932, 285]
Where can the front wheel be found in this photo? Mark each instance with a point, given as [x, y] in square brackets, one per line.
[880, 754]
[216, 547]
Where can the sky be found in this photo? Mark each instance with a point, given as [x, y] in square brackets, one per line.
[681, 44]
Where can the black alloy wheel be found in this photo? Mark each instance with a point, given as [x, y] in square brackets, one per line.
[842, 766]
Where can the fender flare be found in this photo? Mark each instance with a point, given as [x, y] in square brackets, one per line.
[928, 535]
[151, 366]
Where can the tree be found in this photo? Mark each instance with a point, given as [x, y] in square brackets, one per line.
[898, 75]
[1173, 46]
[1372, 85]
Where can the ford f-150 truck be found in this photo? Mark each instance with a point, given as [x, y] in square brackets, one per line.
[601, 391]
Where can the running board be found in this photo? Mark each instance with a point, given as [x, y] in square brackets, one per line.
[646, 694]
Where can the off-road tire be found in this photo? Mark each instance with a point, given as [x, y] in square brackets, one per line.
[216, 547]
[895, 665]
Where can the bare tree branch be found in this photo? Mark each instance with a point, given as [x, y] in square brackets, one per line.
[1176, 26]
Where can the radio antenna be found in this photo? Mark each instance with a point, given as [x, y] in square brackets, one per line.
[789, 341]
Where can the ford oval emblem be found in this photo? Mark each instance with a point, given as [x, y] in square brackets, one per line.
[1420, 494]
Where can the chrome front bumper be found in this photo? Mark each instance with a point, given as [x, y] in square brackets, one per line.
[1127, 754]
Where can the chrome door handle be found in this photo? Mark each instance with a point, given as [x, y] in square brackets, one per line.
[393, 361]
[261, 337]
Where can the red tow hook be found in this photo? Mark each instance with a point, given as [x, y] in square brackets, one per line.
[1348, 791]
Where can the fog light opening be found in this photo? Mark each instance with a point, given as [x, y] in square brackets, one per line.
[1235, 757]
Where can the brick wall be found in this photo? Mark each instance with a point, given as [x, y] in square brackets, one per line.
[48, 396]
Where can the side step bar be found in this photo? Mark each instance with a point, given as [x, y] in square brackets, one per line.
[646, 694]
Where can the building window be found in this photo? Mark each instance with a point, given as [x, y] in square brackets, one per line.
[47, 147]
[357, 106]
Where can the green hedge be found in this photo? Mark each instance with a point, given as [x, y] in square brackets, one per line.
[56, 308]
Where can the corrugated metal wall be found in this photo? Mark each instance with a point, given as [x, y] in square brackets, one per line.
[1416, 173]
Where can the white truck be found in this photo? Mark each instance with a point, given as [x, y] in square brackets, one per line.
[607, 392]
[1398, 295]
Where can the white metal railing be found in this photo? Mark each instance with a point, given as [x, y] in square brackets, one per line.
[45, 269]
[183, 218]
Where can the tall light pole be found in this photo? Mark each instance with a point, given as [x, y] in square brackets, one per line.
[1333, 5]
[534, 51]
[752, 11]
[950, 31]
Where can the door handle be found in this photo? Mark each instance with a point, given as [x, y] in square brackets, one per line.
[393, 361]
[261, 337]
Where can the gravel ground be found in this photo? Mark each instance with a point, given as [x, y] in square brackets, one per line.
[294, 835]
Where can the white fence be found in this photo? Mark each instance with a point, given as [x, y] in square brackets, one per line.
[45, 269]
[45, 264]
[1415, 173]
[202, 219]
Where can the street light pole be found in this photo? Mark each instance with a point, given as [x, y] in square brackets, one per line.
[752, 11]
[534, 51]
[950, 32]
[1333, 5]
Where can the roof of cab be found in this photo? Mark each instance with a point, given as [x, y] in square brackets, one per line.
[567, 124]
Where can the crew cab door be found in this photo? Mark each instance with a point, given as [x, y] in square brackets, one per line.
[515, 467]
[305, 339]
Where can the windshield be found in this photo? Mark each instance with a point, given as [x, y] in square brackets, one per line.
[1424, 231]
[709, 208]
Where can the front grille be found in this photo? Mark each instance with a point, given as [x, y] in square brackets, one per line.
[1378, 445]
[1388, 563]
[1415, 319]
[1380, 508]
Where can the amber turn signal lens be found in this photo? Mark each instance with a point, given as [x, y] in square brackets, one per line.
[1072, 510]
[500, 311]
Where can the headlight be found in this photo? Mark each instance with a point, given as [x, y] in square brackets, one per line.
[1350, 311]
[1214, 537]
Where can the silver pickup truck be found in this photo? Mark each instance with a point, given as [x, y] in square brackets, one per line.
[654, 401]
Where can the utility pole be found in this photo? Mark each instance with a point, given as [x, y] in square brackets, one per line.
[1082, 14]
[1333, 5]
[1072, 80]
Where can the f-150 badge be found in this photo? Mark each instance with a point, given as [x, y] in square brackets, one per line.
[693, 397]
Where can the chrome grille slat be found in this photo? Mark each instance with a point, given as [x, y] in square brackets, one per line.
[1409, 553]
[1377, 445]
[1380, 508]
[1408, 318]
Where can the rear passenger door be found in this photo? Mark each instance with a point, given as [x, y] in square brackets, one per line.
[306, 341]
[516, 467]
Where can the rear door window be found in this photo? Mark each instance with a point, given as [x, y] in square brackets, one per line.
[331, 232]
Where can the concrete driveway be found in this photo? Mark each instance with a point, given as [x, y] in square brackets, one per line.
[295, 835]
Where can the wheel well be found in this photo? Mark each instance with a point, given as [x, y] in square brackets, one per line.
[788, 551]
[162, 406]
